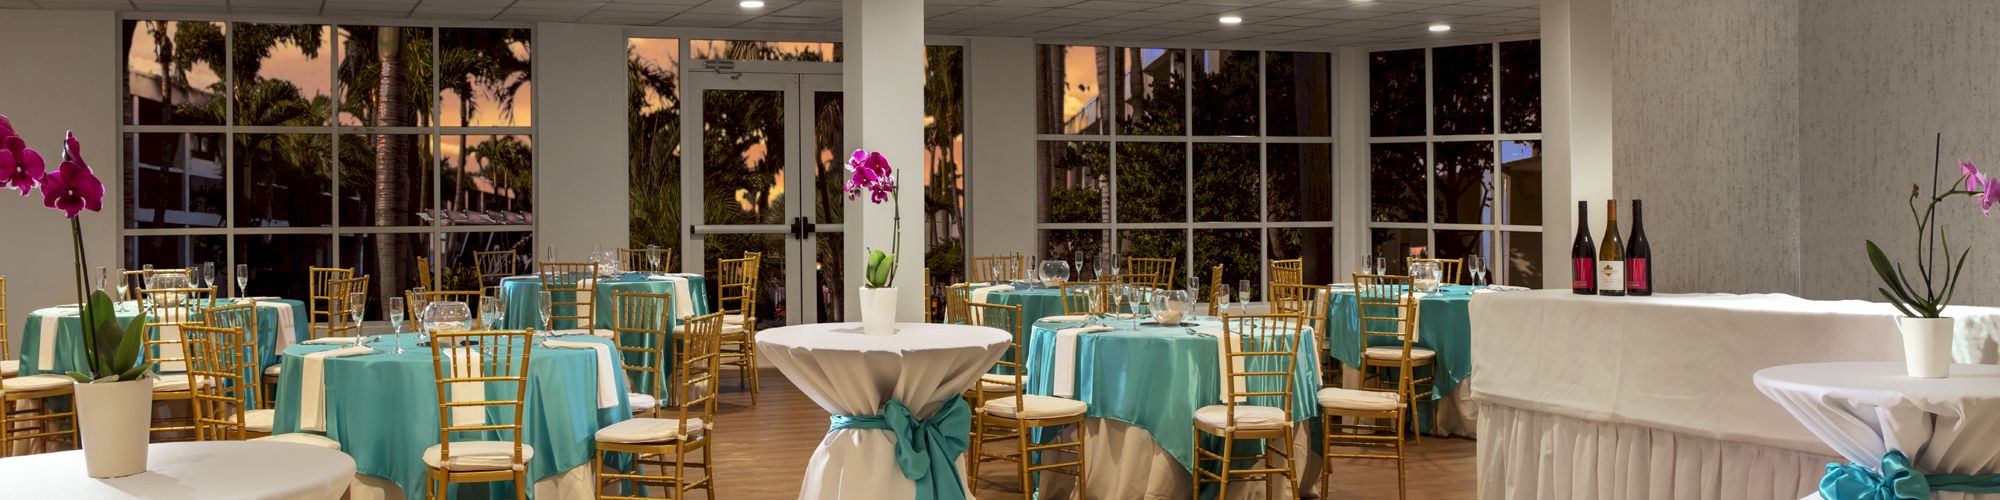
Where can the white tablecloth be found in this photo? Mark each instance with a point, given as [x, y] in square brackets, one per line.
[1863, 410]
[1658, 389]
[216, 469]
[849, 373]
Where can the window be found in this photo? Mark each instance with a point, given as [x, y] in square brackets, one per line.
[1454, 156]
[269, 145]
[1210, 157]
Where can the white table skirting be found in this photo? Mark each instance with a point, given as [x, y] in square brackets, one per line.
[1526, 454]
[573, 483]
[1863, 410]
[849, 373]
[192, 470]
[1126, 463]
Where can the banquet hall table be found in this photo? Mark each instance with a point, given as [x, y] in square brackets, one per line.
[1143, 385]
[1865, 410]
[52, 338]
[383, 409]
[1662, 386]
[916, 373]
[1036, 303]
[195, 470]
[524, 310]
[1443, 326]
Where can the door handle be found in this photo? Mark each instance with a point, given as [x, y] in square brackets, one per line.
[807, 228]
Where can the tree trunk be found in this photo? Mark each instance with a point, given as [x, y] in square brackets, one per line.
[392, 174]
[163, 48]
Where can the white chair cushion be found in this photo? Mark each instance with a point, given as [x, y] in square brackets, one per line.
[729, 329]
[1248, 417]
[274, 370]
[478, 456]
[994, 382]
[302, 438]
[173, 382]
[1034, 406]
[642, 403]
[732, 320]
[1351, 399]
[34, 383]
[1395, 353]
[10, 367]
[259, 420]
[598, 332]
[649, 430]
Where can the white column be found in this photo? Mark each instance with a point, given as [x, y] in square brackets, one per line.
[1576, 127]
[1000, 137]
[580, 141]
[1350, 90]
[884, 87]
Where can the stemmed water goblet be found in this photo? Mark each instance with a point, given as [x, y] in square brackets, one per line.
[395, 311]
[1478, 266]
[1243, 295]
[1222, 295]
[242, 279]
[653, 258]
[489, 313]
[548, 305]
[208, 274]
[357, 307]
[124, 284]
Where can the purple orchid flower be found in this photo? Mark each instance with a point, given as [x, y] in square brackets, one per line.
[1990, 195]
[871, 172]
[72, 187]
[20, 167]
[1974, 179]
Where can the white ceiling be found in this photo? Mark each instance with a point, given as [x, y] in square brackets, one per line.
[1265, 22]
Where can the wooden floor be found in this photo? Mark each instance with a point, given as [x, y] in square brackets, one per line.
[761, 452]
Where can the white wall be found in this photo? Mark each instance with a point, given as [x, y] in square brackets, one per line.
[61, 74]
[1577, 109]
[580, 154]
[1000, 133]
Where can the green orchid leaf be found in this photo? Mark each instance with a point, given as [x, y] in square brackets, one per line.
[129, 346]
[135, 372]
[1888, 273]
[100, 309]
[1951, 283]
[1899, 304]
[80, 378]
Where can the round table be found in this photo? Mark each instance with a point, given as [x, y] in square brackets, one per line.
[1036, 303]
[1863, 410]
[383, 407]
[1444, 325]
[52, 338]
[849, 373]
[215, 469]
[524, 310]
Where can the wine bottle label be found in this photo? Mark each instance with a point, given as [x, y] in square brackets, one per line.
[1611, 276]
[1636, 275]
[1582, 274]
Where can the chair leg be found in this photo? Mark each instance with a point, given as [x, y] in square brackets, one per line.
[1197, 463]
[1082, 465]
[1400, 460]
[521, 485]
[1021, 466]
[752, 368]
[1228, 453]
[972, 451]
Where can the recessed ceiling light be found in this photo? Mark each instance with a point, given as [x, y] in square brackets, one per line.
[752, 4]
[1440, 28]
[1231, 20]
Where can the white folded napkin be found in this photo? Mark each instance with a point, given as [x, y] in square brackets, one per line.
[607, 384]
[331, 341]
[658, 277]
[466, 392]
[1222, 357]
[588, 286]
[286, 323]
[1499, 288]
[979, 294]
[683, 301]
[1065, 318]
[312, 386]
[46, 352]
[1064, 382]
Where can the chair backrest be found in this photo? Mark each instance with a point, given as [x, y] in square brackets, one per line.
[955, 299]
[569, 285]
[169, 311]
[416, 301]
[696, 366]
[1157, 273]
[1009, 268]
[221, 366]
[474, 360]
[134, 281]
[1452, 268]
[1006, 318]
[319, 290]
[1215, 298]
[6, 352]
[640, 260]
[1383, 307]
[424, 273]
[644, 324]
[495, 265]
[339, 323]
[1288, 271]
[1266, 346]
[1077, 297]
[736, 287]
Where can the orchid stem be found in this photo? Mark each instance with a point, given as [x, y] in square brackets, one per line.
[83, 306]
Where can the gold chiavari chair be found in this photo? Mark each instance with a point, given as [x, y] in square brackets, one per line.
[737, 285]
[493, 266]
[1288, 271]
[644, 324]
[1452, 268]
[1385, 309]
[424, 273]
[319, 287]
[1311, 302]
[1261, 350]
[169, 312]
[244, 316]
[570, 284]
[669, 439]
[955, 299]
[639, 260]
[1012, 415]
[411, 300]
[339, 323]
[1009, 268]
[222, 358]
[1157, 273]
[1085, 297]
[42, 424]
[471, 361]
[1215, 298]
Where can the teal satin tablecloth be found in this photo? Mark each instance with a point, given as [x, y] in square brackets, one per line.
[524, 309]
[69, 351]
[1036, 303]
[383, 408]
[1155, 378]
[1443, 326]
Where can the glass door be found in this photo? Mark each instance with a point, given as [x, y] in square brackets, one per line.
[770, 179]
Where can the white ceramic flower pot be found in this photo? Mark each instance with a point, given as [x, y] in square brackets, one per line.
[113, 417]
[878, 311]
[1926, 346]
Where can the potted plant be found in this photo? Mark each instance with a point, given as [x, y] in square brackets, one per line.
[1927, 333]
[114, 390]
[871, 172]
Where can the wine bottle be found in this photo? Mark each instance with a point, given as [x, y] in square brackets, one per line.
[1611, 255]
[1583, 255]
[1638, 257]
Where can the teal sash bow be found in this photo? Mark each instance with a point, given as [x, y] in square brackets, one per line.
[1897, 481]
[925, 449]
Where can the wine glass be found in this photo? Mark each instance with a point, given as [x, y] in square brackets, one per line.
[1478, 269]
[357, 306]
[395, 311]
[124, 284]
[548, 304]
[208, 274]
[489, 312]
[242, 279]
[1243, 295]
[1382, 265]
[653, 258]
[1222, 294]
[1367, 263]
[1114, 266]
